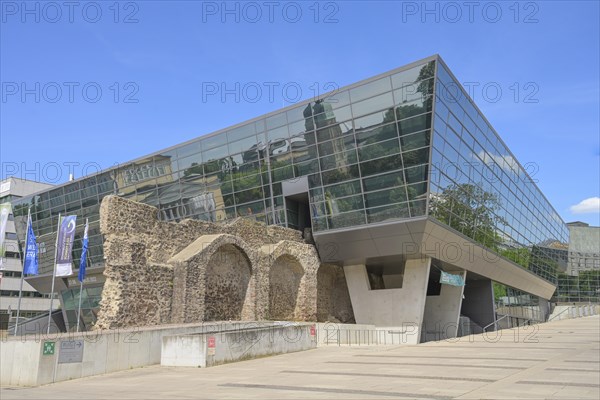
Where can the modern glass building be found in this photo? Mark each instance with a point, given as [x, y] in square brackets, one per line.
[397, 167]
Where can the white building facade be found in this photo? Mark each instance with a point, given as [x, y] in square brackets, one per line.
[33, 303]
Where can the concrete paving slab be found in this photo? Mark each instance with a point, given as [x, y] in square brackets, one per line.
[559, 360]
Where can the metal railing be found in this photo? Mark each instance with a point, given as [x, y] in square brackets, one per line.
[562, 312]
[495, 323]
[363, 337]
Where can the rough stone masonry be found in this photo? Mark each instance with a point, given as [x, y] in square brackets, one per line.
[165, 272]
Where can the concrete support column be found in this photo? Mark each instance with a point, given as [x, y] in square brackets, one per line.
[399, 308]
[478, 304]
[442, 312]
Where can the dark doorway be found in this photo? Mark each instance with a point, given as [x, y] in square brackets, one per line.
[298, 211]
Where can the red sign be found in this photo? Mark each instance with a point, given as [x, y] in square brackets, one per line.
[212, 343]
[313, 330]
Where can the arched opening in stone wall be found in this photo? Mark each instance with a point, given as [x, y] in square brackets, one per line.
[285, 277]
[228, 276]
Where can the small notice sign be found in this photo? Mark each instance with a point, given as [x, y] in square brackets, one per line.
[48, 349]
[70, 351]
[313, 331]
[212, 344]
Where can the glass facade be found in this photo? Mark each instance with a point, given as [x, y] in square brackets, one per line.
[403, 145]
[478, 188]
[364, 151]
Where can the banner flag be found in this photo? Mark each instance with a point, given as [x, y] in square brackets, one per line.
[450, 279]
[84, 249]
[30, 266]
[5, 210]
[66, 236]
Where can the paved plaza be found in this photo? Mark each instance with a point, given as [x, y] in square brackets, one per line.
[555, 360]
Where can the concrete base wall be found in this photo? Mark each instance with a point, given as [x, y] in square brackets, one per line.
[402, 308]
[24, 364]
[440, 320]
[207, 350]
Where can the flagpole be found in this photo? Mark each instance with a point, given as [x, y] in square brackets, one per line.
[23, 271]
[53, 275]
[80, 288]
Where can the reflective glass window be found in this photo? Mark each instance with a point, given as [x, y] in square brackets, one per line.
[415, 140]
[214, 141]
[412, 108]
[276, 121]
[241, 132]
[370, 89]
[413, 75]
[381, 165]
[379, 149]
[383, 181]
[416, 91]
[414, 124]
[373, 104]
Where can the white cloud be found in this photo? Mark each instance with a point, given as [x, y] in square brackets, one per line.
[587, 206]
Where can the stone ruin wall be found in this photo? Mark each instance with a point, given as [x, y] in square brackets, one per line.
[165, 272]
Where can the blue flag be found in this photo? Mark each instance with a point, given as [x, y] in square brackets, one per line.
[31, 254]
[84, 249]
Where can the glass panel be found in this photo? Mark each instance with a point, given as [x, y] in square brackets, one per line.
[337, 98]
[383, 181]
[415, 140]
[384, 197]
[373, 104]
[340, 175]
[412, 108]
[381, 165]
[241, 132]
[416, 91]
[374, 135]
[276, 120]
[336, 146]
[416, 174]
[243, 145]
[393, 211]
[342, 190]
[325, 116]
[379, 149]
[215, 153]
[339, 160]
[188, 149]
[416, 157]
[347, 219]
[370, 89]
[413, 75]
[414, 124]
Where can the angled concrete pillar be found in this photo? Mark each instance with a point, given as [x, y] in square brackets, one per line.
[442, 312]
[478, 303]
[399, 308]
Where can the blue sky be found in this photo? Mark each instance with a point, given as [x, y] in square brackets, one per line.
[543, 56]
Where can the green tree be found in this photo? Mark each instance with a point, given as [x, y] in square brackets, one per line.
[470, 210]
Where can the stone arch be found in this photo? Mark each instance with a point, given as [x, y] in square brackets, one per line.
[215, 279]
[228, 280]
[291, 269]
[285, 278]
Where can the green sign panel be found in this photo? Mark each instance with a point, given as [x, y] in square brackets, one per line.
[49, 348]
[450, 279]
